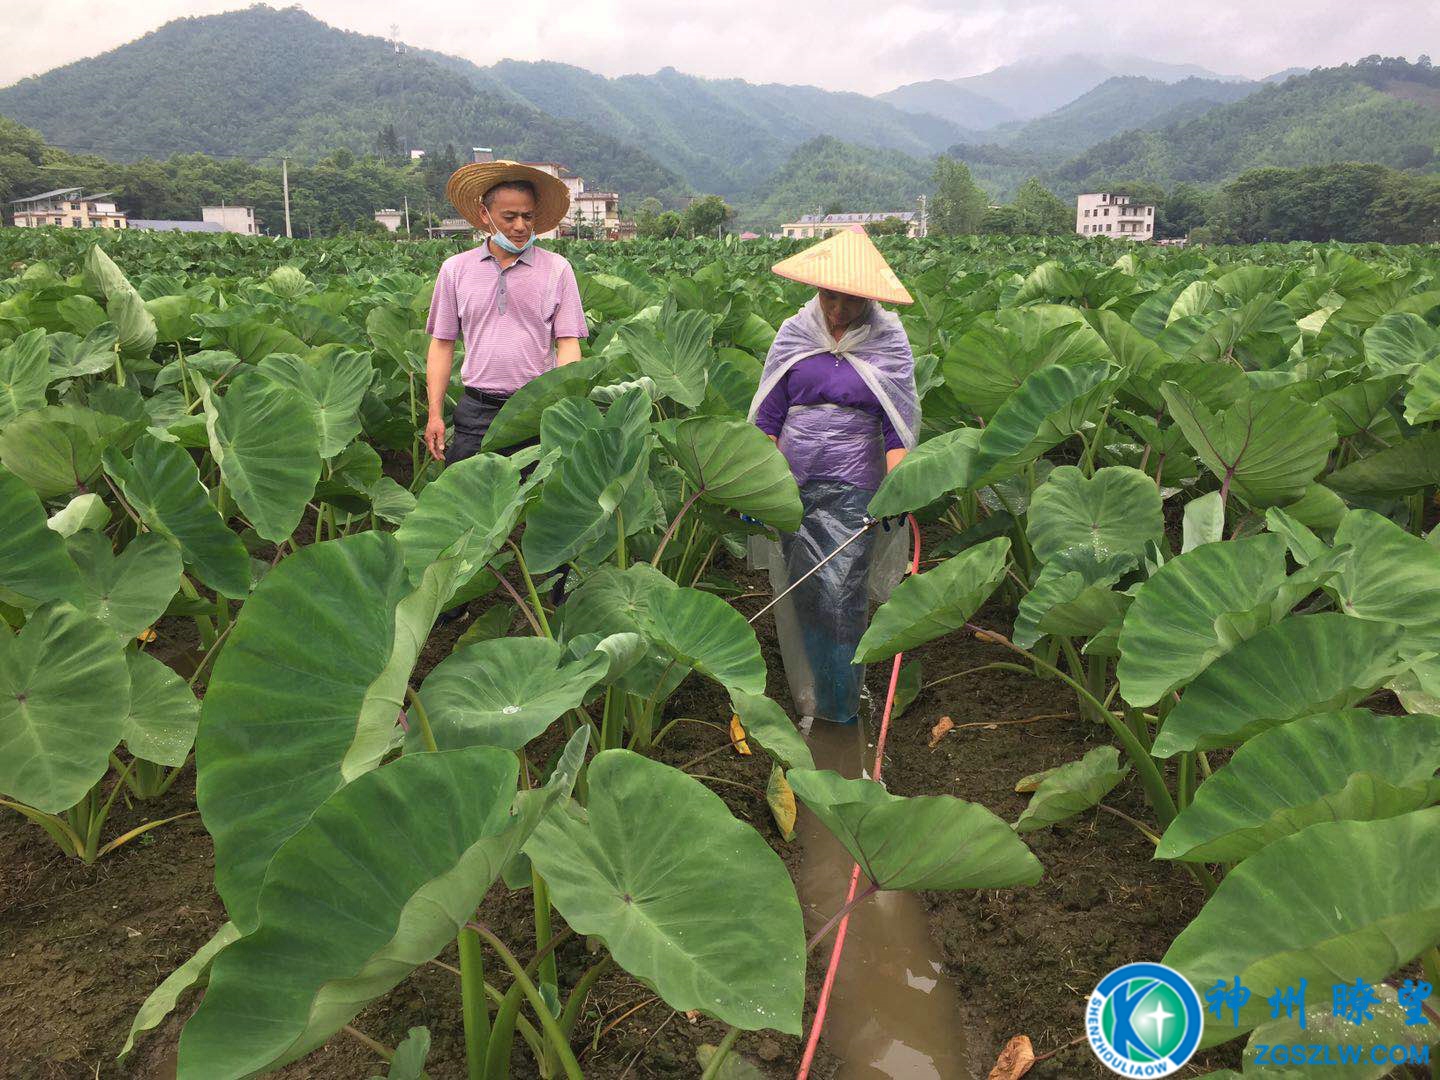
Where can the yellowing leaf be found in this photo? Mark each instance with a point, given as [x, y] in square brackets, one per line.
[782, 803]
[147, 635]
[737, 737]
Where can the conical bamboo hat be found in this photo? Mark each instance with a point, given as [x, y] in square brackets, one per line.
[847, 262]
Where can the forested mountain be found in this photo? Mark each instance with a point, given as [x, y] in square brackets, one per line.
[1122, 103]
[722, 135]
[1378, 110]
[260, 82]
[948, 99]
[826, 175]
[1031, 87]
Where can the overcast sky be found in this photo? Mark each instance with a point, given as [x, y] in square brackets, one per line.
[864, 45]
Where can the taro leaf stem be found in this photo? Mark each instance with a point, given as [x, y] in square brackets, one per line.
[530, 587]
[554, 1035]
[670, 529]
[427, 736]
[474, 1008]
[860, 897]
[721, 1053]
[1150, 777]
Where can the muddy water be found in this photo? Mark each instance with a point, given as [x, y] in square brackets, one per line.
[893, 1012]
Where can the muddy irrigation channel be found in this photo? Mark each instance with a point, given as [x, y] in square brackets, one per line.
[931, 985]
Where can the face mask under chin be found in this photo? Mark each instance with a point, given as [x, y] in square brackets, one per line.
[508, 245]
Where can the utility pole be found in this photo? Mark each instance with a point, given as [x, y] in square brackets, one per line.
[924, 224]
[285, 184]
[407, 215]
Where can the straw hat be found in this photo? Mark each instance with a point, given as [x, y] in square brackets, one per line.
[847, 262]
[469, 183]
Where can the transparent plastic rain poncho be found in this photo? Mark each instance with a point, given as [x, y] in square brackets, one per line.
[821, 622]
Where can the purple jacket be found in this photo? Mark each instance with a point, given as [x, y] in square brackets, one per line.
[849, 447]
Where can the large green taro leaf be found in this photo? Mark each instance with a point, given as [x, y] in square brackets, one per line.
[265, 441]
[929, 605]
[1269, 445]
[130, 591]
[24, 374]
[1422, 399]
[934, 468]
[1074, 596]
[376, 883]
[1347, 765]
[578, 501]
[1291, 1037]
[503, 692]
[57, 449]
[64, 693]
[1117, 511]
[1050, 405]
[1072, 788]
[480, 494]
[1170, 635]
[1391, 576]
[990, 361]
[922, 842]
[162, 485]
[330, 384]
[134, 325]
[614, 601]
[519, 418]
[1401, 469]
[33, 565]
[766, 723]
[675, 352]
[733, 464]
[1311, 910]
[700, 630]
[1399, 342]
[1300, 665]
[695, 904]
[164, 714]
[305, 696]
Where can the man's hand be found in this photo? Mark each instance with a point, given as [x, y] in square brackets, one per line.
[435, 436]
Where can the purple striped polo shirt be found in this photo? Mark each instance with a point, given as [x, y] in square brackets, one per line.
[510, 318]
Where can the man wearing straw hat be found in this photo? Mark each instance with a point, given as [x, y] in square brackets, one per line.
[517, 305]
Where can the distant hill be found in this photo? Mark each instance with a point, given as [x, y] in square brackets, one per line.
[1032, 87]
[1122, 103]
[829, 176]
[722, 135]
[1382, 111]
[947, 98]
[260, 83]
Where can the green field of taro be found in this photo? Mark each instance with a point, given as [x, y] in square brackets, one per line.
[1191, 492]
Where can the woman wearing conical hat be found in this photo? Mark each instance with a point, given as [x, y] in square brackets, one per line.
[838, 397]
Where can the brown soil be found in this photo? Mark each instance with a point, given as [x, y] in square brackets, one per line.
[1026, 959]
[83, 946]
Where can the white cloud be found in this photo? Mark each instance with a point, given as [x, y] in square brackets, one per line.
[843, 45]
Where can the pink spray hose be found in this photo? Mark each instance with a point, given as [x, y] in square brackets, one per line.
[824, 1003]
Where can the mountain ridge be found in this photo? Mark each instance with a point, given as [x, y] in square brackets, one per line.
[304, 89]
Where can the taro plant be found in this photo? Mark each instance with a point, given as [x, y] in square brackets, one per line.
[76, 684]
[456, 808]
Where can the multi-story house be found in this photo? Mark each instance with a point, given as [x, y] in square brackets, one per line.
[824, 224]
[67, 208]
[1115, 216]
